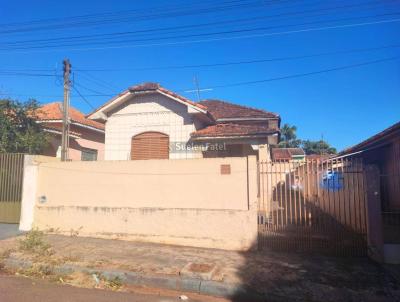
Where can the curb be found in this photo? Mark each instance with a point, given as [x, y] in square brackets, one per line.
[178, 283]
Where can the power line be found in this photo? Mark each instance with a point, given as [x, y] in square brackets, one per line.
[99, 82]
[192, 26]
[298, 75]
[357, 50]
[83, 97]
[88, 89]
[10, 73]
[159, 15]
[209, 34]
[118, 13]
[237, 37]
[85, 71]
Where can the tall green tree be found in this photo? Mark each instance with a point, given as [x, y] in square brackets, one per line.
[19, 131]
[289, 137]
[320, 147]
[289, 140]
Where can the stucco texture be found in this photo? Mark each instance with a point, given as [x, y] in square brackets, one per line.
[184, 202]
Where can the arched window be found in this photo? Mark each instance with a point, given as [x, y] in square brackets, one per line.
[150, 145]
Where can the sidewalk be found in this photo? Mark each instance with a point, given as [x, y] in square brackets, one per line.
[275, 276]
[8, 230]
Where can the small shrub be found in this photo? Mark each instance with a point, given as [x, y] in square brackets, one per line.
[34, 242]
[36, 270]
[114, 283]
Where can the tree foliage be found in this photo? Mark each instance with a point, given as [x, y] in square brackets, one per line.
[317, 147]
[289, 140]
[19, 131]
[289, 137]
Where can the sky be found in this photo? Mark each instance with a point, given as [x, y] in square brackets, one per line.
[332, 68]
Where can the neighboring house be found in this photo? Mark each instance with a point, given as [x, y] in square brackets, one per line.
[287, 154]
[148, 121]
[86, 136]
[383, 150]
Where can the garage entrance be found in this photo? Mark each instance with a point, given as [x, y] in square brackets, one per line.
[11, 177]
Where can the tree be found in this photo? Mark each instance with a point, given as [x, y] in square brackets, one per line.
[19, 131]
[289, 140]
[289, 137]
[320, 147]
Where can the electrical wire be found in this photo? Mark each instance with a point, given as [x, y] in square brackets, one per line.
[97, 81]
[160, 15]
[114, 35]
[86, 71]
[209, 34]
[10, 73]
[298, 75]
[88, 89]
[232, 38]
[83, 97]
[357, 50]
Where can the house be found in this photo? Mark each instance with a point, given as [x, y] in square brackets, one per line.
[287, 154]
[86, 136]
[383, 151]
[147, 121]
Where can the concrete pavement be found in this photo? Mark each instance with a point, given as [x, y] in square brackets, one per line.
[8, 230]
[266, 275]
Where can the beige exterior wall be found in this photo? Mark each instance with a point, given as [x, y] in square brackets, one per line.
[148, 112]
[89, 139]
[184, 202]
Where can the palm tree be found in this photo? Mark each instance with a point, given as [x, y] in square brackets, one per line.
[289, 137]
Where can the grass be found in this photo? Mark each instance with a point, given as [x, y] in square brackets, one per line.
[33, 242]
[114, 283]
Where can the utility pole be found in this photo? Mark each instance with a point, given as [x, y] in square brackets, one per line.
[65, 110]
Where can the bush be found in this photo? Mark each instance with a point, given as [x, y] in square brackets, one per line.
[34, 242]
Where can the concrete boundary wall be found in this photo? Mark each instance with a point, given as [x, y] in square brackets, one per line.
[29, 188]
[195, 202]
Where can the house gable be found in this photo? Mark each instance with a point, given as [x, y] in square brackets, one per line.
[147, 112]
[102, 112]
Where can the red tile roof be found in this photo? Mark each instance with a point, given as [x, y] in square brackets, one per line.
[230, 129]
[380, 137]
[52, 111]
[286, 153]
[319, 156]
[220, 110]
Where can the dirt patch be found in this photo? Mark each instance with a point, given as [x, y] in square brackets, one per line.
[201, 267]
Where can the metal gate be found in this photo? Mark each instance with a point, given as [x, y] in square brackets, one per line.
[313, 206]
[11, 176]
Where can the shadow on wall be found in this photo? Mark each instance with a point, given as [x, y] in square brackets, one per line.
[280, 276]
